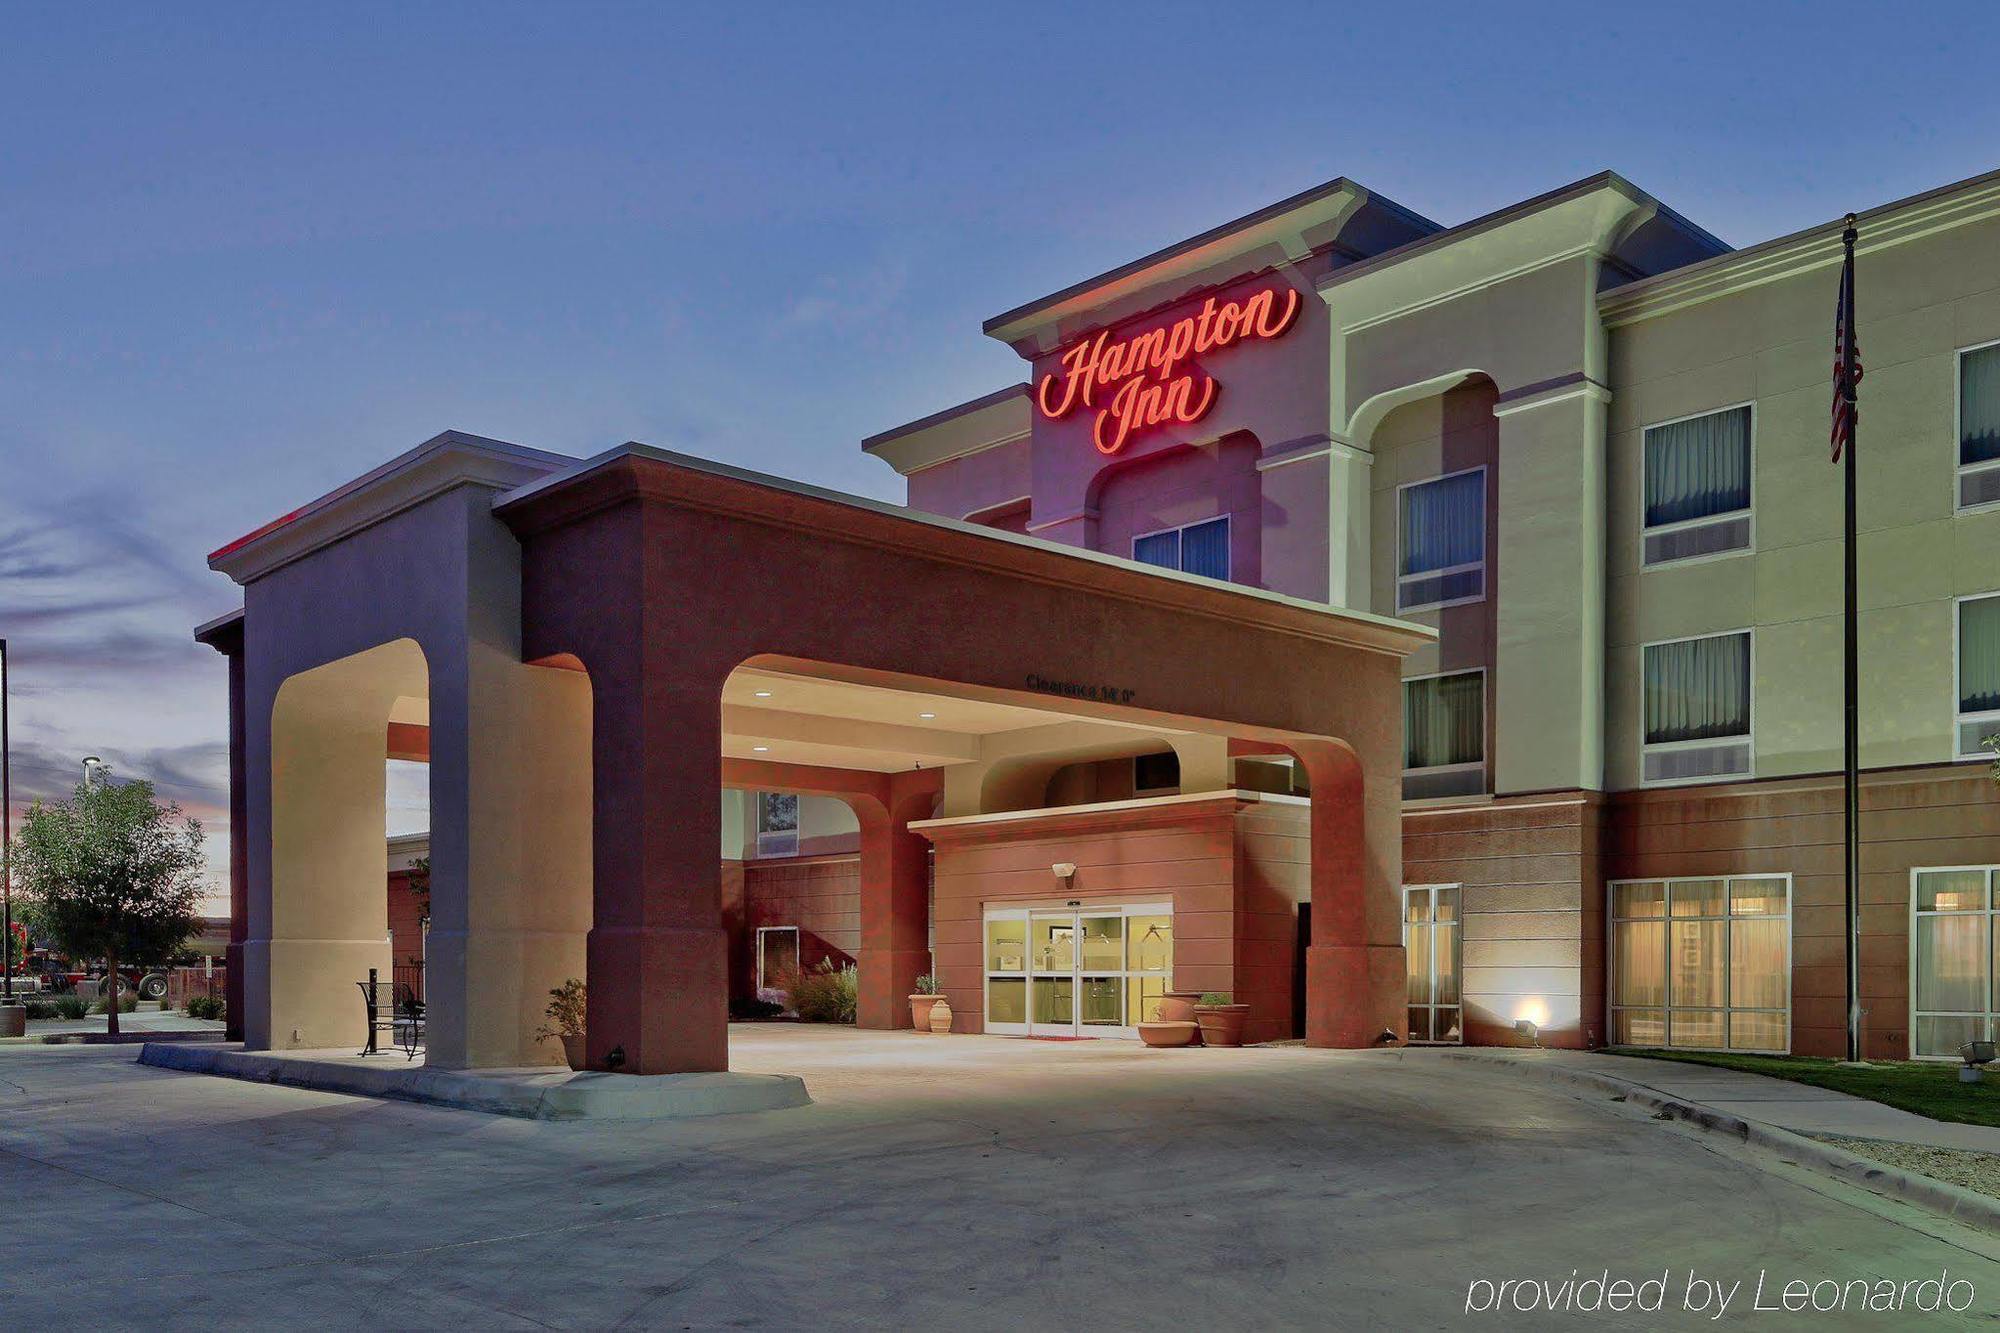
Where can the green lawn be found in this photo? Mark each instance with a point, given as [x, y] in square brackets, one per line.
[1927, 1089]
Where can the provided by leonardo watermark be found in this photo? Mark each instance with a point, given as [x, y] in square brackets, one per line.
[1766, 1293]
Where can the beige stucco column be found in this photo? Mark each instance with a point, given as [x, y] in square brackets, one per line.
[1350, 482]
[325, 920]
[1549, 653]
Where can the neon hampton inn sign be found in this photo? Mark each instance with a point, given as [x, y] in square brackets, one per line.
[1156, 385]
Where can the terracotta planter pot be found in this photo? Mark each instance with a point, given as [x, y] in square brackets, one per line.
[1221, 1024]
[941, 1016]
[1177, 1006]
[920, 1010]
[573, 1051]
[1169, 1034]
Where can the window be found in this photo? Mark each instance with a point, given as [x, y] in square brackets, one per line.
[777, 823]
[1696, 709]
[1702, 964]
[1153, 774]
[1977, 651]
[1431, 960]
[1198, 548]
[1979, 426]
[1441, 541]
[1697, 486]
[1951, 960]
[1444, 736]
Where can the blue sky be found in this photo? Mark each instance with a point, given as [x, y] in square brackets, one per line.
[250, 252]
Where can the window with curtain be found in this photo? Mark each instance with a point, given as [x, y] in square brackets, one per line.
[1696, 708]
[1951, 960]
[1702, 964]
[1198, 548]
[1979, 406]
[1444, 736]
[1697, 486]
[1978, 674]
[1441, 536]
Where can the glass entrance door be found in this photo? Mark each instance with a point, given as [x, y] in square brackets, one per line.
[1430, 946]
[1067, 972]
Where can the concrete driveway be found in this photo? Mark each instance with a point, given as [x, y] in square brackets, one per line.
[943, 1182]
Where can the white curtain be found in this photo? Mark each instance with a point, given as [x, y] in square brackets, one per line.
[1444, 721]
[1698, 467]
[1698, 689]
[1979, 655]
[1979, 406]
[1444, 523]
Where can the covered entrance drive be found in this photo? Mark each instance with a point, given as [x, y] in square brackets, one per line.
[596, 682]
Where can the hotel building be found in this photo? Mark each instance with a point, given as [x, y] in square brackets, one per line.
[1587, 443]
[1418, 632]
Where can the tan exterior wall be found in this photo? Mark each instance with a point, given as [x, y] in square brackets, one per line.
[1770, 345]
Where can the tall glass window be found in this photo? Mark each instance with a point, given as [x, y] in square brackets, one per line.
[1952, 997]
[1696, 708]
[1979, 426]
[1441, 540]
[1697, 486]
[1702, 964]
[1198, 548]
[1444, 735]
[1978, 638]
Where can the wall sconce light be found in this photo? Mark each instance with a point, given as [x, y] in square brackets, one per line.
[1064, 871]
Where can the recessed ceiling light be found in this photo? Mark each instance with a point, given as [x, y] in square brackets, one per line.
[926, 715]
[763, 694]
[760, 749]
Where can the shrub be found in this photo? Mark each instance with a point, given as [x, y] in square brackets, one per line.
[127, 1002]
[40, 1008]
[741, 1008]
[827, 994]
[70, 1006]
[565, 1011]
[207, 1006]
[927, 984]
[1215, 997]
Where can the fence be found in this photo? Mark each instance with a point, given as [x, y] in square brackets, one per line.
[183, 982]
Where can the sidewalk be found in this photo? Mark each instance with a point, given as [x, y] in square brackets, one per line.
[145, 1021]
[1774, 1101]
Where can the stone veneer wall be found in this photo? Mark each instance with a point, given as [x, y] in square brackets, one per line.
[1533, 905]
[1940, 815]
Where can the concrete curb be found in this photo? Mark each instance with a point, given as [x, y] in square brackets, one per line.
[527, 1095]
[1969, 1207]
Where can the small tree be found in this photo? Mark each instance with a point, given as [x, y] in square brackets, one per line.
[111, 873]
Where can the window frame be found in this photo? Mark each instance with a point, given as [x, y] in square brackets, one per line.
[1749, 511]
[777, 848]
[1485, 532]
[1991, 1016]
[1485, 776]
[1749, 737]
[1960, 469]
[1958, 717]
[1612, 919]
[1180, 531]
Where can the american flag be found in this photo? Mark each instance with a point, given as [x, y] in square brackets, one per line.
[1846, 359]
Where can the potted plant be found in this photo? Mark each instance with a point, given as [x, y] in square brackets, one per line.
[928, 996]
[565, 1013]
[1177, 1006]
[1221, 1022]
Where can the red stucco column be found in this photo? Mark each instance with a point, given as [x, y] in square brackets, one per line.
[657, 953]
[895, 898]
[1355, 979]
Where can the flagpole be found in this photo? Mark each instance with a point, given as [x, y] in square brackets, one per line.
[1851, 667]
